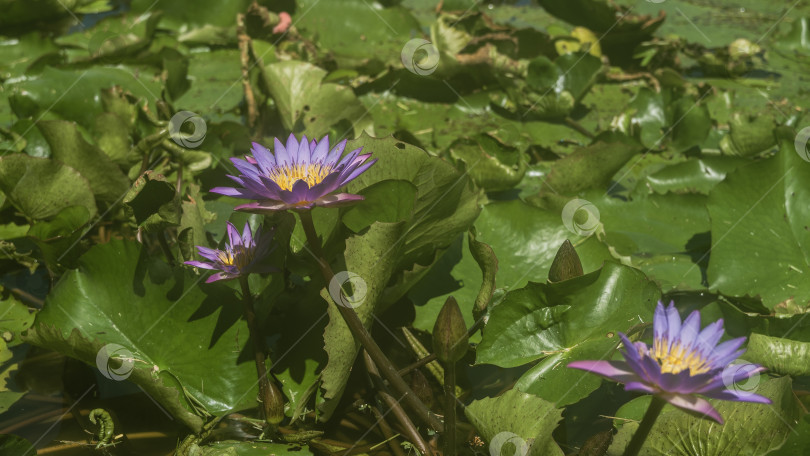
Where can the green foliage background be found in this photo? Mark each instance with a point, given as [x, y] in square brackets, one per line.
[679, 123]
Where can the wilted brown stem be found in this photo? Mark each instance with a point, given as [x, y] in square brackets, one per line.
[244, 53]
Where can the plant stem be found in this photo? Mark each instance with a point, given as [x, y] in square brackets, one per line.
[387, 432]
[644, 428]
[270, 396]
[426, 360]
[450, 408]
[387, 369]
[244, 57]
[576, 126]
[410, 429]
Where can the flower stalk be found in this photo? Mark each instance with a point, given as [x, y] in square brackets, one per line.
[450, 344]
[450, 408]
[269, 395]
[387, 369]
[242, 255]
[656, 405]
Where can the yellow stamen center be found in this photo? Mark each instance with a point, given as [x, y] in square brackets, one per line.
[311, 173]
[237, 256]
[677, 358]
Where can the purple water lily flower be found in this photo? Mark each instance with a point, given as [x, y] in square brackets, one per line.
[683, 362]
[240, 257]
[297, 176]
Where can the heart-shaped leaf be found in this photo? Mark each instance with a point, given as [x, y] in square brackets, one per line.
[186, 340]
[759, 220]
[565, 321]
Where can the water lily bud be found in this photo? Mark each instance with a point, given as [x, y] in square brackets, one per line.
[566, 264]
[450, 333]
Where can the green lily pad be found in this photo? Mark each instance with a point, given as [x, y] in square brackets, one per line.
[749, 428]
[759, 223]
[203, 12]
[601, 18]
[552, 89]
[634, 410]
[17, 54]
[697, 175]
[58, 236]
[644, 117]
[112, 134]
[367, 31]
[493, 165]
[40, 187]
[216, 87]
[749, 136]
[659, 235]
[561, 322]
[16, 13]
[15, 317]
[798, 442]
[779, 355]
[446, 200]
[592, 166]
[177, 324]
[112, 38]
[454, 274]
[308, 105]
[30, 136]
[73, 94]
[517, 421]
[68, 146]
[10, 391]
[526, 239]
[387, 201]
[689, 123]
